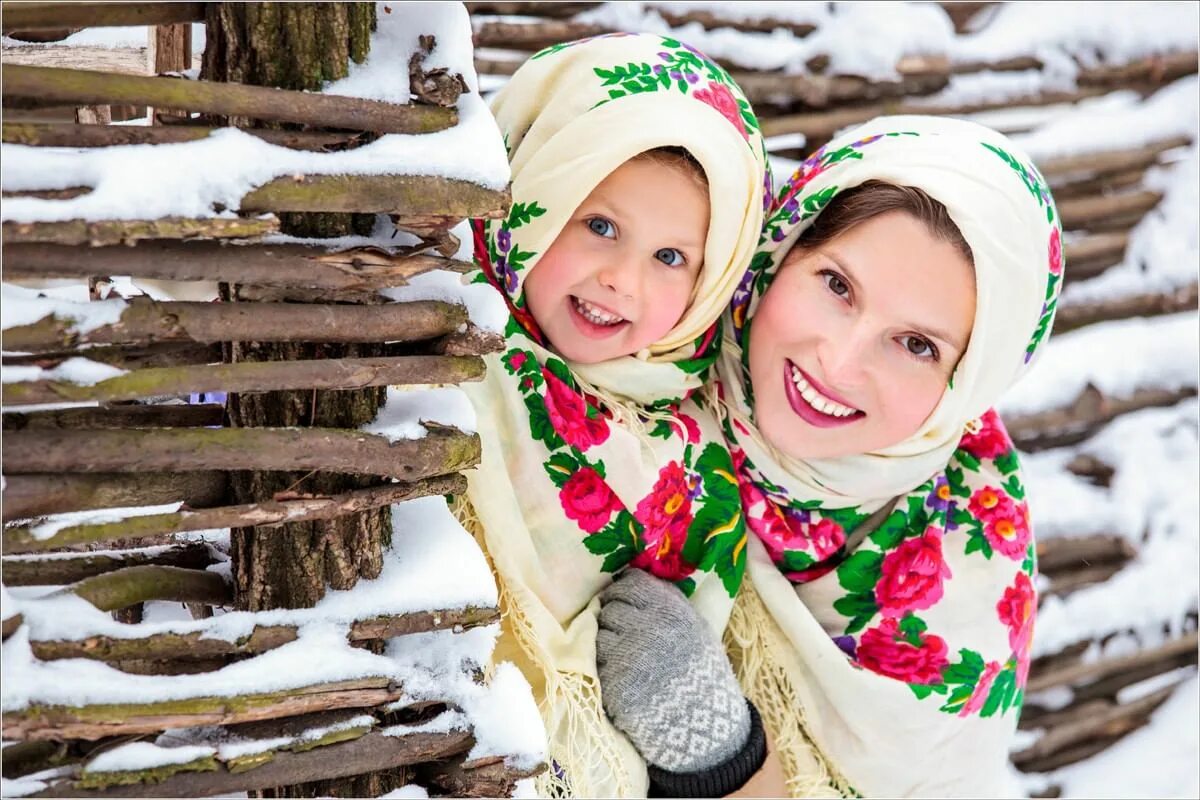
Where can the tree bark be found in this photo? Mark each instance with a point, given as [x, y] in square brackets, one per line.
[119, 719]
[197, 646]
[58, 134]
[263, 514]
[97, 233]
[328, 373]
[40, 16]
[27, 496]
[59, 571]
[441, 452]
[293, 265]
[149, 321]
[33, 87]
[1074, 316]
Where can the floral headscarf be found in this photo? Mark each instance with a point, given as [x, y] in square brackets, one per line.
[588, 468]
[899, 584]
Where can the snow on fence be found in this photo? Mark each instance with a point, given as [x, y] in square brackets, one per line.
[1103, 97]
[151, 646]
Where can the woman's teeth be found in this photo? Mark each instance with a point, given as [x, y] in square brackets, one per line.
[817, 400]
[594, 314]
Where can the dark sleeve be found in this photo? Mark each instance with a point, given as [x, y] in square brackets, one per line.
[720, 780]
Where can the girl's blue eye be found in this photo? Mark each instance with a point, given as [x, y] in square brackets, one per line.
[919, 347]
[602, 227]
[670, 256]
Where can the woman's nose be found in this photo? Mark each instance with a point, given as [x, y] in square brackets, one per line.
[843, 357]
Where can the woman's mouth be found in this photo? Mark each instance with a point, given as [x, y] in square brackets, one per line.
[810, 405]
[593, 320]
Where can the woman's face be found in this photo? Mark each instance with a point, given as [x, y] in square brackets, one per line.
[856, 339]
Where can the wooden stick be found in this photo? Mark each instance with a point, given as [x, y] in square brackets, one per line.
[31, 87]
[110, 232]
[189, 646]
[367, 753]
[145, 320]
[58, 571]
[39, 16]
[1084, 211]
[712, 19]
[59, 134]
[1072, 186]
[27, 496]
[533, 35]
[1067, 582]
[1070, 317]
[329, 373]
[1113, 684]
[1088, 257]
[820, 126]
[1075, 674]
[538, 9]
[493, 778]
[441, 452]
[111, 591]
[122, 416]
[1071, 424]
[1118, 720]
[404, 195]
[163, 354]
[10, 625]
[1057, 555]
[58, 723]
[268, 513]
[1110, 160]
[358, 269]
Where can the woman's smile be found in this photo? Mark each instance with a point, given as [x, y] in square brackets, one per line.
[815, 406]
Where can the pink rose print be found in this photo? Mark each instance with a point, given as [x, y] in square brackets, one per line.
[665, 515]
[991, 441]
[1008, 529]
[719, 97]
[885, 650]
[586, 498]
[515, 360]
[912, 575]
[1056, 253]
[568, 415]
[826, 537]
[1017, 609]
[990, 502]
[979, 696]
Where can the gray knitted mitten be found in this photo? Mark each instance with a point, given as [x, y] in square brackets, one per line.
[664, 677]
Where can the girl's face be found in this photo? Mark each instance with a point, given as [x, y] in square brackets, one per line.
[854, 342]
[620, 274]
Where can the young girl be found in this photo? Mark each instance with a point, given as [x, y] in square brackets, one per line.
[638, 179]
[908, 276]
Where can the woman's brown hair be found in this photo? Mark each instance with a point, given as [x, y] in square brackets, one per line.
[872, 198]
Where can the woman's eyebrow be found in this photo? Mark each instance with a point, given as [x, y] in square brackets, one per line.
[924, 330]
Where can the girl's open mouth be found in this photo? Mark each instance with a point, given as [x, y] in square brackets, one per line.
[811, 405]
[594, 321]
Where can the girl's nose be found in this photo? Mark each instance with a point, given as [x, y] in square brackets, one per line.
[620, 275]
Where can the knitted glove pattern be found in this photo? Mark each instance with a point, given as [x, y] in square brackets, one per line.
[665, 680]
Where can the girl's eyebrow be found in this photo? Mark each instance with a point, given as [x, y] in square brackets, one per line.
[924, 330]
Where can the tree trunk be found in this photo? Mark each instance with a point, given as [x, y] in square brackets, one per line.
[297, 46]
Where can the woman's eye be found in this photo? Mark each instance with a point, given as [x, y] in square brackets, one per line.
[601, 227]
[836, 284]
[670, 256]
[919, 347]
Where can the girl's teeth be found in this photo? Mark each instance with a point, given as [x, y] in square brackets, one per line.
[818, 401]
[595, 315]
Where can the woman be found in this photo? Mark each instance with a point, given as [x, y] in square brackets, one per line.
[907, 276]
